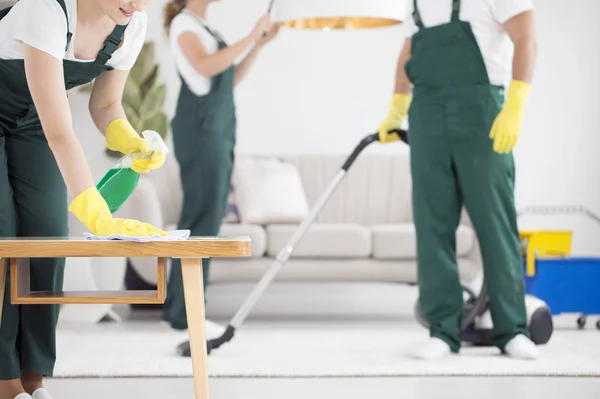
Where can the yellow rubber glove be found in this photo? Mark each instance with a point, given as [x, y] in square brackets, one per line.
[92, 210]
[122, 137]
[398, 110]
[507, 126]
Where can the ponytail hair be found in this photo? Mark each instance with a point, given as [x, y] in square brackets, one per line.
[171, 10]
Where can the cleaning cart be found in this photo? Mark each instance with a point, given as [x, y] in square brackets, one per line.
[567, 284]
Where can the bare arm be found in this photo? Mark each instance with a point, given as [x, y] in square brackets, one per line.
[105, 102]
[244, 67]
[46, 83]
[210, 65]
[521, 30]
[402, 82]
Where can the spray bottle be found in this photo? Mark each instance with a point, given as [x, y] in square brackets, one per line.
[121, 180]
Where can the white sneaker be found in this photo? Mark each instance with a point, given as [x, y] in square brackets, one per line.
[214, 330]
[41, 393]
[521, 347]
[23, 396]
[432, 349]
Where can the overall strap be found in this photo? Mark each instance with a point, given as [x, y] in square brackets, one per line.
[205, 26]
[111, 44]
[69, 34]
[417, 16]
[455, 10]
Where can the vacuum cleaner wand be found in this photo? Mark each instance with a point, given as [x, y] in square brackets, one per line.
[284, 254]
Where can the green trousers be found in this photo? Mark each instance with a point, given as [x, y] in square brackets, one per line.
[206, 182]
[33, 203]
[453, 164]
[205, 156]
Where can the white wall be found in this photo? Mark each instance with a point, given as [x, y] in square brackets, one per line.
[334, 88]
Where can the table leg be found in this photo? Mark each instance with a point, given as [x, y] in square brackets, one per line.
[193, 286]
[2, 285]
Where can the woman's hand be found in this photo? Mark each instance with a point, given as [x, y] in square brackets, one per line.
[121, 136]
[270, 35]
[107, 112]
[263, 25]
[92, 211]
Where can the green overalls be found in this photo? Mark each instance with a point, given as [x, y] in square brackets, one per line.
[452, 163]
[203, 140]
[33, 203]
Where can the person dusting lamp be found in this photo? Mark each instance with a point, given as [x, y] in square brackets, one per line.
[458, 57]
[46, 48]
[204, 126]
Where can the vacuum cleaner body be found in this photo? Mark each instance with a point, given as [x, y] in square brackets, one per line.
[477, 324]
[539, 324]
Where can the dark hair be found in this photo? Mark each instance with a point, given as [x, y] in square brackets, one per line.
[171, 10]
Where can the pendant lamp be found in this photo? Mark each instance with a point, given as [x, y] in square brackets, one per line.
[338, 14]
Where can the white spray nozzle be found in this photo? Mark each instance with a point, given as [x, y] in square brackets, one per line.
[155, 142]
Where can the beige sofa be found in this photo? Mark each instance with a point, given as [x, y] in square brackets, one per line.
[364, 232]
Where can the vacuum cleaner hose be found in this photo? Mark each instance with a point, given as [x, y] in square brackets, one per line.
[184, 348]
[368, 140]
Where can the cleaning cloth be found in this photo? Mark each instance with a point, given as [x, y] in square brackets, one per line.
[172, 235]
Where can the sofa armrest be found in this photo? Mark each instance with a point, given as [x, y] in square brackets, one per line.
[143, 205]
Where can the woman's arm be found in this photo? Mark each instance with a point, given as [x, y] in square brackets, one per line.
[109, 117]
[242, 69]
[210, 65]
[46, 84]
[106, 99]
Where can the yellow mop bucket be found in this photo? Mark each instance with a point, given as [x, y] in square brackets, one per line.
[544, 244]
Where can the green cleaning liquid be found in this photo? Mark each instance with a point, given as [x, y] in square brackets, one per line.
[121, 181]
[117, 185]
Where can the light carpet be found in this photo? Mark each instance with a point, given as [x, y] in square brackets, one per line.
[307, 349]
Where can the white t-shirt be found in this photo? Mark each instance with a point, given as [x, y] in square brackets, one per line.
[486, 18]
[188, 22]
[42, 25]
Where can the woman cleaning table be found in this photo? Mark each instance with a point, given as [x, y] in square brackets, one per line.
[46, 48]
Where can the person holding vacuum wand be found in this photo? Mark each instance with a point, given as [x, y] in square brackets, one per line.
[204, 126]
[46, 48]
[459, 56]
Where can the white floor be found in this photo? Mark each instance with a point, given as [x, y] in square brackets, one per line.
[349, 388]
[277, 341]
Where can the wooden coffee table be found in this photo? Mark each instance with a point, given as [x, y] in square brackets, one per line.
[18, 251]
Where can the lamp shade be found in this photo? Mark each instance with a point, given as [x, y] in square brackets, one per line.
[338, 14]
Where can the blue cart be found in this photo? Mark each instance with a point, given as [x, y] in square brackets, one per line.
[567, 284]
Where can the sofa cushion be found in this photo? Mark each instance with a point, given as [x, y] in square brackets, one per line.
[322, 240]
[399, 241]
[256, 233]
[268, 190]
